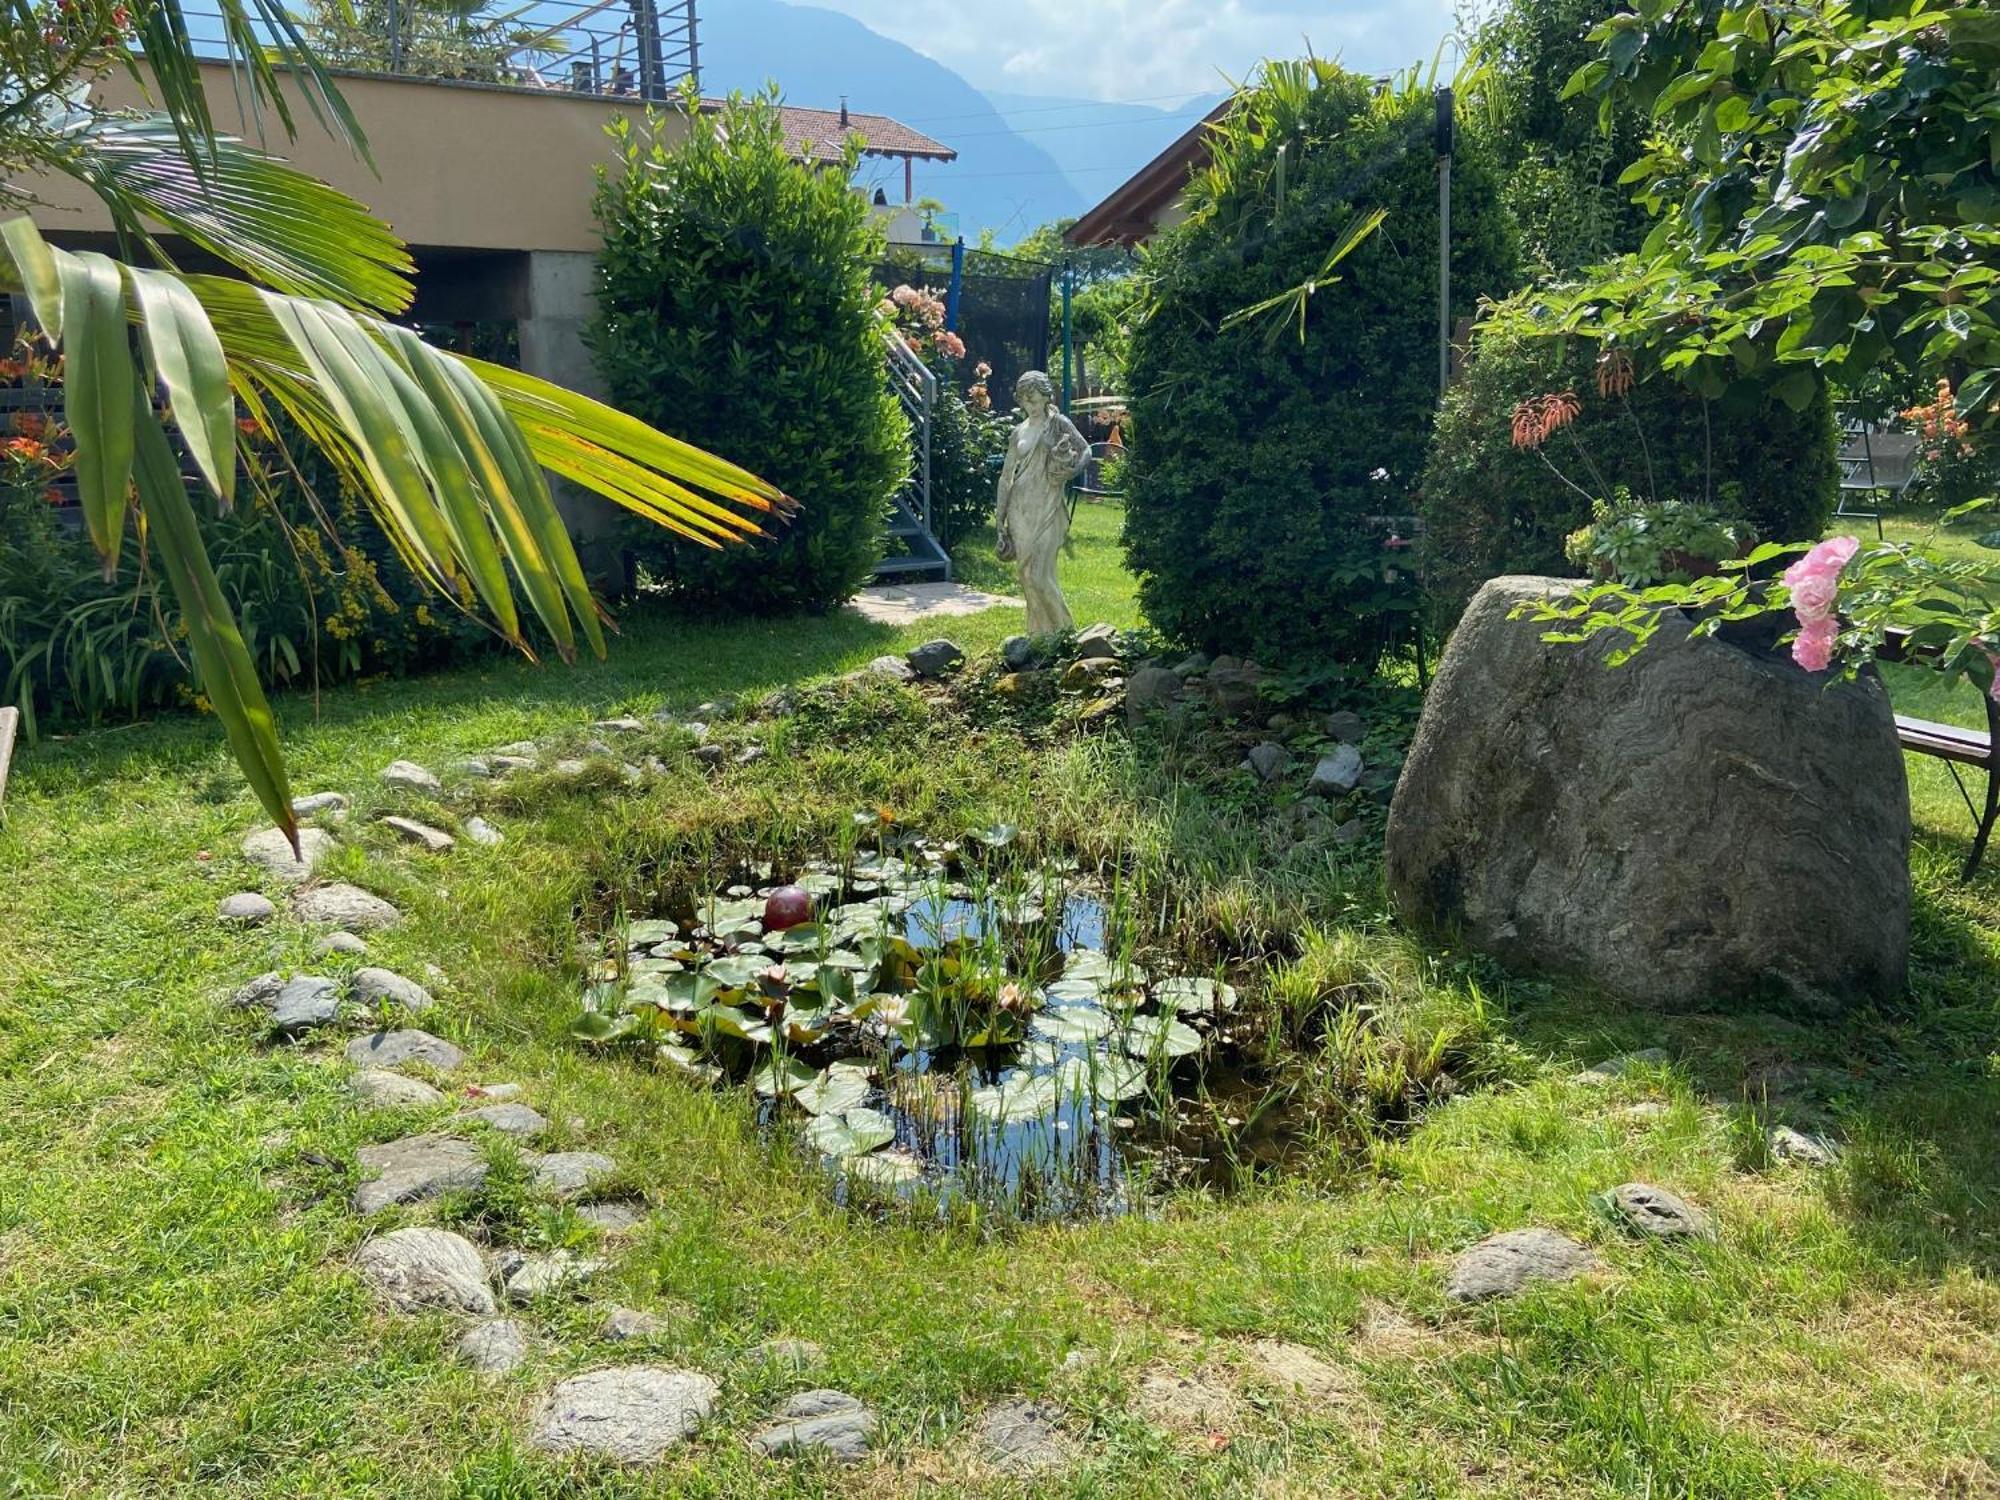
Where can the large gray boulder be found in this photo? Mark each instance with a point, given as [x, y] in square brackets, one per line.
[1705, 824]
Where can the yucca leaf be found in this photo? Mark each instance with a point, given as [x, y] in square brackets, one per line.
[98, 386]
[187, 359]
[228, 675]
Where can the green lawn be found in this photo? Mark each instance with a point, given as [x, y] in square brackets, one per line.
[177, 1317]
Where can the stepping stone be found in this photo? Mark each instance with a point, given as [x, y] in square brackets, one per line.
[894, 668]
[629, 1413]
[505, 764]
[270, 848]
[545, 1275]
[936, 658]
[408, 774]
[624, 1324]
[395, 1049]
[830, 1422]
[377, 1088]
[1623, 1063]
[343, 906]
[344, 943]
[416, 1269]
[1293, 1367]
[484, 833]
[475, 768]
[516, 1120]
[1788, 1144]
[1186, 1404]
[1022, 1437]
[499, 1093]
[798, 1354]
[570, 767]
[568, 1173]
[261, 992]
[520, 750]
[1655, 1211]
[304, 1003]
[245, 909]
[318, 802]
[619, 726]
[416, 1167]
[434, 840]
[379, 987]
[613, 1218]
[1502, 1264]
[494, 1348]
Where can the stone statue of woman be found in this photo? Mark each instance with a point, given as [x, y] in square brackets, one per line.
[1032, 519]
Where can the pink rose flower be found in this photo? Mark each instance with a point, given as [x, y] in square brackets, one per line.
[1813, 649]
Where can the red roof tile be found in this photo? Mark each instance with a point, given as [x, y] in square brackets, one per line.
[819, 134]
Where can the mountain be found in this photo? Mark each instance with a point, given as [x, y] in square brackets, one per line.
[1002, 179]
[1098, 142]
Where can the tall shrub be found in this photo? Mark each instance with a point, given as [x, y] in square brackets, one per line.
[1489, 507]
[734, 310]
[1265, 466]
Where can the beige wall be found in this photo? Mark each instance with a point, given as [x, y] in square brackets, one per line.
[457, 165]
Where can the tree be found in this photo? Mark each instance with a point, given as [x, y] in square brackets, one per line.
[425, 38]
[447, 451]
[1563, 161]
[734, 308]
[1825, 181]
[1268, 469]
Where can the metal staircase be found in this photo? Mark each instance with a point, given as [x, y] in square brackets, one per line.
[910, 527]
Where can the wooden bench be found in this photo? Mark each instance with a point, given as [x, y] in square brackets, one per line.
[1956, 746]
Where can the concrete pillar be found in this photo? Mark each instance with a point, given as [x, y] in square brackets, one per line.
[556, 306]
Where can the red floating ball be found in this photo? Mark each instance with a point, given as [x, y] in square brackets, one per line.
[787, 906]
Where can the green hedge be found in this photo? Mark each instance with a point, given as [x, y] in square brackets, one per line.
[1491, 508]
[734, 310]
[1259, 460]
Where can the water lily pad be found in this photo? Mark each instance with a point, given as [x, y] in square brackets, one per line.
[805, 938]
[1020, 1096]
[806, 1026]
[831, 1093]
[684, 1059]
[652, 930]
[744, 917]
[1103, 1075]
[641, 967]
[729, 1020]
[1072, 992]
[738, 971]
[1194, 995]
[782, 1077]
[888, 1168]
[1076, 1024]
[851, 1132]
[819, 883]
[1159, 1036]
[1108, 972]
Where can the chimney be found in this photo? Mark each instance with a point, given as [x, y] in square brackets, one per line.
[843, 111]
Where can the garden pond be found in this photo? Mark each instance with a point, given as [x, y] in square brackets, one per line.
[941, 1023]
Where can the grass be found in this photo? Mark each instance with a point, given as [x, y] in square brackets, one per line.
[176, 1318]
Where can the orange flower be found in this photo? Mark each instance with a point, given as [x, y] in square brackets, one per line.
[53, 496]
[1540, 417]
[30, 423]
[24, 448]
[1614, 372]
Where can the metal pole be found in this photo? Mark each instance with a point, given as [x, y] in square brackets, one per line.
[694, 50]
[1067, 267]
[1445, 132]
[395, 37]
[646, 25]
[957, 286]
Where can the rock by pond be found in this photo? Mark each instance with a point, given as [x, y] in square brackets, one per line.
[245, 909]
[384, 987]
[1336, 774]
[414, 1270]
[378, 1088]
[1022, 1437]
[270, 848]
[396, 1049]
[1707, 824]
[1502, 1264]
[567, 1174]
[425, 837]
[1655, 1211]
[410, 776]
[346, 906]
[416, 1167]
[494, 1348]
[824, 1421]
[939, 658]
[630, 1414]
[510, 1119]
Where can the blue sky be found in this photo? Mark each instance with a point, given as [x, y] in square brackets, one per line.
[1156, 51]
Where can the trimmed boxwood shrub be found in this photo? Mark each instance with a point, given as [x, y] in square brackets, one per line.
[1491, 508]
[734, 309]
[1266, 470]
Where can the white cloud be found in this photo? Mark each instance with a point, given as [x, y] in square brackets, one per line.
[1148, 49]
